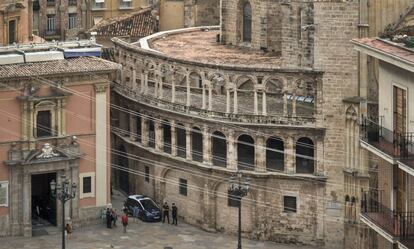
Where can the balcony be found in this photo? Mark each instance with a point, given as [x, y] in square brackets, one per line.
[392, 225]
[406, 162]
[385, 143]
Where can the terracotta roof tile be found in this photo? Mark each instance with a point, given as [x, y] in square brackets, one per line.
[75, 65]
[388, 48]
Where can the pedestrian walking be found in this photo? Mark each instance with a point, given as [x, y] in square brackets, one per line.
[108, 218]
[68, 229]
[114, 217]
[135, 213]
[174, 211]
[124, 220]
[165, 212]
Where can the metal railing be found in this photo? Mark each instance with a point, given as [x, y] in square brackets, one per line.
[398, 224]
[395, 144]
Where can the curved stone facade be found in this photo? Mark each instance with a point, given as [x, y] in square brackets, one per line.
[194, 106]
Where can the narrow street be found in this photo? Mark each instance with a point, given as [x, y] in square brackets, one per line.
[140, 235]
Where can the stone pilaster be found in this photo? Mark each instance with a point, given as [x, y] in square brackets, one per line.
[188, 142]
[231, 152]
[206, 145]
[290, 155]
[264, 104]
[158, 135]
[132, 127]
[188, 101]
[173, 139]
[144, 131]
[320, 169]
[260, 154]
[210, 97]
[235, 102]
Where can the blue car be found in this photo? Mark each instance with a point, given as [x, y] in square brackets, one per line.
[143, 207]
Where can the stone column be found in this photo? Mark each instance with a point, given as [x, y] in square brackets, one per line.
[173, 139]
[256, 111]
[228, 99]
[188, 91]
[134, 80]
[142, 90]
[294, 105]
[188, 142]
[290, 155]
[172, 88]
[285, 105]
[231, 152]
[355, 135]
[206, 145]
[260, 154]
[133, 127]
[146, 82]
[161, 91]
[235, 102]
[320, 169]
[264, 104]
[158, 135]
[144, 131]
[210, 98]
[203, 93]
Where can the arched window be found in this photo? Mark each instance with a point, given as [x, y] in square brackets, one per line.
[166, 130]
[151, 133]
[219, 149]
[197, 144]
[181, 141]
[247, 22]
[305, 156]
[245, 153]
[275, 157]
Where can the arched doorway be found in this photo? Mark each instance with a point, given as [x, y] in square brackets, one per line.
[247, 22]
[219, 149]
[275, 157]
[245, 153]
[197, 144]
[305, 156]
[123, 163]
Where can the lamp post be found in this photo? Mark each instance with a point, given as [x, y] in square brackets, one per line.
[238, 188]
[63, 191]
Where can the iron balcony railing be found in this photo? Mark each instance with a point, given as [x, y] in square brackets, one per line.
[397, 224]
[395, 144]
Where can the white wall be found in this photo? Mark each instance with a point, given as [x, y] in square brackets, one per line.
[390, 75]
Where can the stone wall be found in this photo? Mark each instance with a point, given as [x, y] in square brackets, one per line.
[335, 24]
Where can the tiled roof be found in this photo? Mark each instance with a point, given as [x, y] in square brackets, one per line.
[137, 24]
[389, 48]
[75, 65]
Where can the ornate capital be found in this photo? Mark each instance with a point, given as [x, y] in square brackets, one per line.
[101, 88]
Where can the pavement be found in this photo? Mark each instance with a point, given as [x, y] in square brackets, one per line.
[141, 235]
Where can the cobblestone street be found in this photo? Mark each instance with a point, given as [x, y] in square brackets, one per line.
[141, 235]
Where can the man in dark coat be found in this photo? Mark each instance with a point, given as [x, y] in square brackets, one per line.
[174, 210]
[165, 212]
[108, 218]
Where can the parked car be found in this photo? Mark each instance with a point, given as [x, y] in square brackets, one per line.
[148, 210]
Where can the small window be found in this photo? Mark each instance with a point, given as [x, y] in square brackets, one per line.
[232, 200]
[44, 124]
[183, 187]
[87, 185]
[50, 23]
[4, 194]
[147, 178]
[289, 204]
[72, 21]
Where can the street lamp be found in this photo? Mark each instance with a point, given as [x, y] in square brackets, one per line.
[63, 191]
[238, 188]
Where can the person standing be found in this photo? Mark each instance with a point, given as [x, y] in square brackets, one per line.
[114, 217]
[174, 211]
[165, 212]
[135, 213]
[124, 220]
[108, 218]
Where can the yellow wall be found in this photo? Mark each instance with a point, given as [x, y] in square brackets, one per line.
[171, 14]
